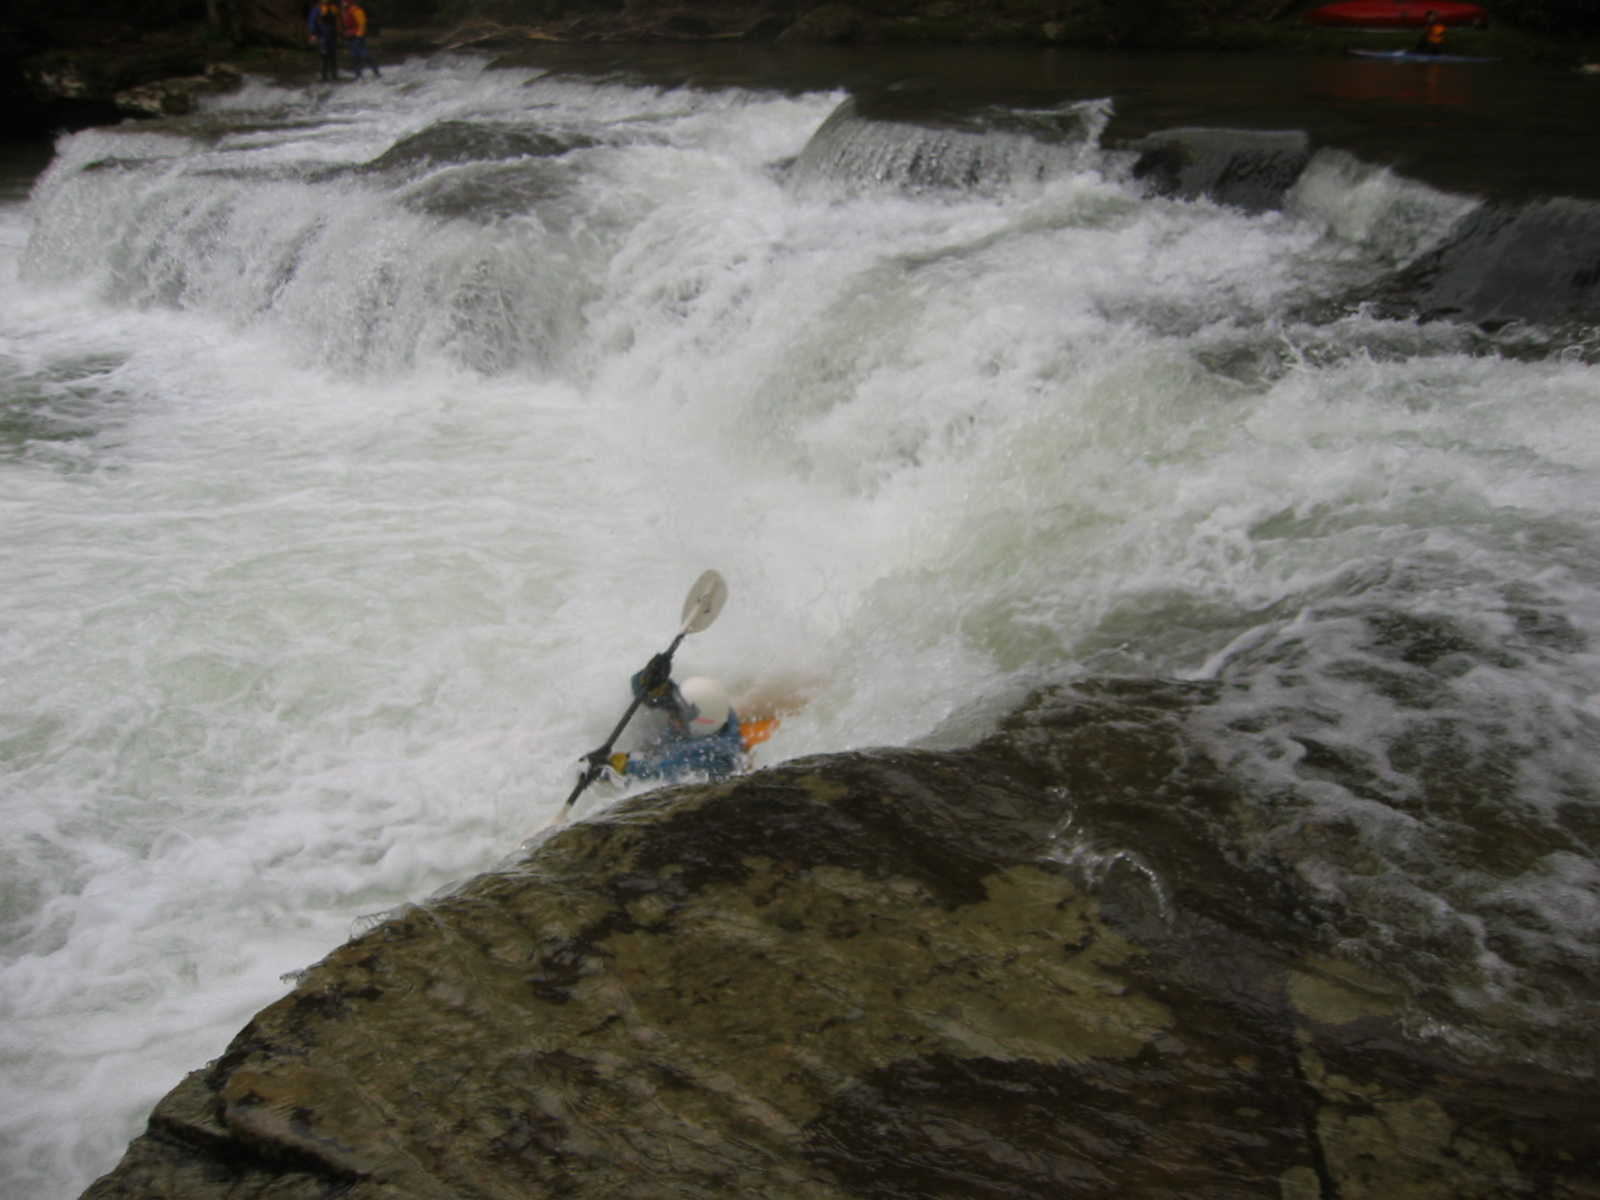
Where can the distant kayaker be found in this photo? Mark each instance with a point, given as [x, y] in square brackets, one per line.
[1433, 30]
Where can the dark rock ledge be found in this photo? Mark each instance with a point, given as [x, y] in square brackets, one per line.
[1019, 970]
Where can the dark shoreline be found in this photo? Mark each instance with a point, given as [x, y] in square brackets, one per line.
[105, 79]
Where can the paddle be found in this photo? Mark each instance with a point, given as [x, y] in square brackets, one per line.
[700, 608]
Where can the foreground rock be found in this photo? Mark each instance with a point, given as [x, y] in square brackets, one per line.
[892, 974]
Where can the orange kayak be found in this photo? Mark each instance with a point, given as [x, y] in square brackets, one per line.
[757, 731]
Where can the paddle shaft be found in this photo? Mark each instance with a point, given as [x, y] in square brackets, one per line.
[597, 758]
[700, 608]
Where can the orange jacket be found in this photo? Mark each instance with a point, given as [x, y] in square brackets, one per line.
[354, 23]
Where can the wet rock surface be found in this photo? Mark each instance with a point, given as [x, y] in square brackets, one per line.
[889, 974]
[1536, 262]
[1245, 168]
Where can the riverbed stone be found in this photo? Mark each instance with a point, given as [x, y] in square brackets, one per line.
[897, 973]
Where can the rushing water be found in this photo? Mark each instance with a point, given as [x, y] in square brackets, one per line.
[356, 443]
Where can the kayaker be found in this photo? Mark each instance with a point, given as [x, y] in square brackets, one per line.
[1433, 30]
[701, 733]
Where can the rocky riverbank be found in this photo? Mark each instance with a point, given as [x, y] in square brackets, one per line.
[110, 74]
[1028, 968]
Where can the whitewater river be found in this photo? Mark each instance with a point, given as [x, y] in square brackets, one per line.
[357, 443]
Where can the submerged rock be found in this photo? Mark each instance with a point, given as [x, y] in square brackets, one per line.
[889, 974]
[174, 97]
[1250, 169]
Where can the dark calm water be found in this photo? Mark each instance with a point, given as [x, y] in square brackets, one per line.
[20, 165]
[1503, 129]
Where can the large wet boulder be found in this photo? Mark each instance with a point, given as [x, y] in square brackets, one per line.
[1247, 168]
[908, 140]
[1537, 262]
[892, 974]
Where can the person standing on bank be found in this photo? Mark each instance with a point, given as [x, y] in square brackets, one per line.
[354, 27]
[324, 25]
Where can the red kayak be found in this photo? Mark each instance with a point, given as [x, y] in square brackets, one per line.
[1396, 14]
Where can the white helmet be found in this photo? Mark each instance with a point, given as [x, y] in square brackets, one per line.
[708, 705]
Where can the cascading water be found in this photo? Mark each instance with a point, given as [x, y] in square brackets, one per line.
[356, 445]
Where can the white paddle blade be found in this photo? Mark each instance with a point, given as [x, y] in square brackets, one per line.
[705, 601]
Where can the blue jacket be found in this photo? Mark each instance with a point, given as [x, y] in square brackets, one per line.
[717, 755]
[675, 753]
[324, 29]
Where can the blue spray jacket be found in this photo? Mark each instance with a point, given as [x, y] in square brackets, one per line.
[675, 752]
[324, 26]
[718, 754]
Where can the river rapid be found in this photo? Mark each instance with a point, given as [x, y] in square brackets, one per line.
[357, 442]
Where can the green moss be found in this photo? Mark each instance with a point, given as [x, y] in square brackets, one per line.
[1336, 993]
